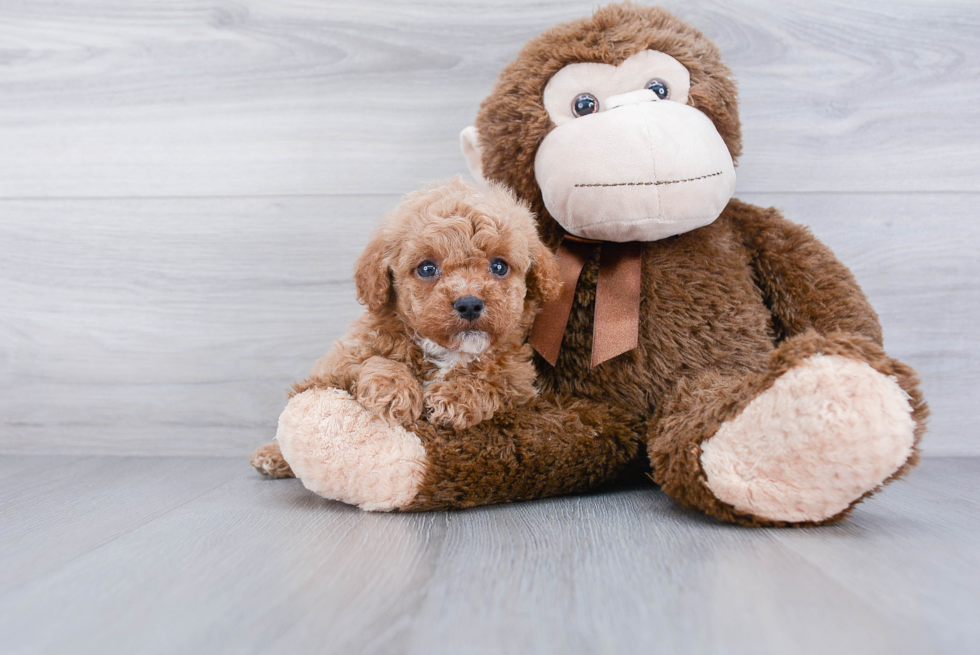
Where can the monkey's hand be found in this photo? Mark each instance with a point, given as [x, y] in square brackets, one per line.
[389, 389]
[460, 402]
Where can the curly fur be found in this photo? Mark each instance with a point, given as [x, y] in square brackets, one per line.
[410, 354]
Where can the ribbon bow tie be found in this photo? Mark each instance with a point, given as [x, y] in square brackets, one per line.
[617, 299]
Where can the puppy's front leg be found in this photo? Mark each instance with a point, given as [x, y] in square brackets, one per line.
[461, 401]
[389, 389]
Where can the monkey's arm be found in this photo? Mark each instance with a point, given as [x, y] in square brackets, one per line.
[546, 447]
[804, 285]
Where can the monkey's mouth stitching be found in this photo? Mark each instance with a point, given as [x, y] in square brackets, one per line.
[662, 182]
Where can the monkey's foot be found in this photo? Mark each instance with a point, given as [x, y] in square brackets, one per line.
[345, 452]
[268, 461]
[827, 432]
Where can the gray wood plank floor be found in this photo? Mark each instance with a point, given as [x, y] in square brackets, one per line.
[164, 555]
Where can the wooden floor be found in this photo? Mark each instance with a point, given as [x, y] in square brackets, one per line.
[185, 555]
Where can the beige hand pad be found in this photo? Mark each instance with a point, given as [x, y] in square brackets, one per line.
[344, 452]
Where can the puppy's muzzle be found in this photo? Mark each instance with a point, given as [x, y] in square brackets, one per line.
[469, 308]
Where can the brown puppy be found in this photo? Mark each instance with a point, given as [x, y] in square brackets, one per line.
[452, 282]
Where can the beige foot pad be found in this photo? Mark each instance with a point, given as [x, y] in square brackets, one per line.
[344, 452]
[826, 432]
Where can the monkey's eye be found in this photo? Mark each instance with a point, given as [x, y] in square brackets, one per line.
[659, 87]
[584, 104]
[426, 269]
[499, 267]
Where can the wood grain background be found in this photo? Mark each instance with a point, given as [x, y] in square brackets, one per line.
[185, 184]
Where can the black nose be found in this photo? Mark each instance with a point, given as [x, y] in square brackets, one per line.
[469, 307]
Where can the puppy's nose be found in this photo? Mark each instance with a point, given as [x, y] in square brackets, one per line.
[469, 307]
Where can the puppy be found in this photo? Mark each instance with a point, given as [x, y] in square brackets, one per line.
[451, 282]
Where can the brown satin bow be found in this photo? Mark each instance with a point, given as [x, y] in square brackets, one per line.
[617, 299]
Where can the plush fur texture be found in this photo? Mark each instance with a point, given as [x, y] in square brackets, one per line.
[370, 463]
[411, 353]
[781, 457]
[513, 120]
[550, 446]
[720, 304]
[700, 406]
[727, 312]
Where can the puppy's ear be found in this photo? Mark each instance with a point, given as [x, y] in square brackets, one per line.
[372, 276]
[544, 278]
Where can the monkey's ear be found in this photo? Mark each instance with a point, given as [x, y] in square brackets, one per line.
[469, 141]
[371, 275]
[544, 278]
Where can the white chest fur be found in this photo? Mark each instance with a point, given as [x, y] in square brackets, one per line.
[472, 344]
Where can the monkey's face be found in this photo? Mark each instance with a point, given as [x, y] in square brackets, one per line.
[629, 159]
[623, 141]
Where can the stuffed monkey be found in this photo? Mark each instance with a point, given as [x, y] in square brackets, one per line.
[709, 340]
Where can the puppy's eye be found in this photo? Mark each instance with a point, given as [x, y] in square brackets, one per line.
[499, 267]
[426, 270]
[584, 104]
[659, 87]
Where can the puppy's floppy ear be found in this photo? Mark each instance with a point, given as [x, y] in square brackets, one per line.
[372, 275]
[544, 278]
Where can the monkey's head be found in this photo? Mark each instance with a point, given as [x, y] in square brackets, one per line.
[619, 127]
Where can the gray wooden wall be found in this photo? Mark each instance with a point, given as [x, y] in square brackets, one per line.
[184, 186]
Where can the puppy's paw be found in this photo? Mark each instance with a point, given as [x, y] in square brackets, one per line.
[456, 404]
[268, 461]
[389, 389]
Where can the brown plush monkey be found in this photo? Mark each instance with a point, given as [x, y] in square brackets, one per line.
[718, 340]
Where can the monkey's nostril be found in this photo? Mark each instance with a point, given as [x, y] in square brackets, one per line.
[469, 307]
